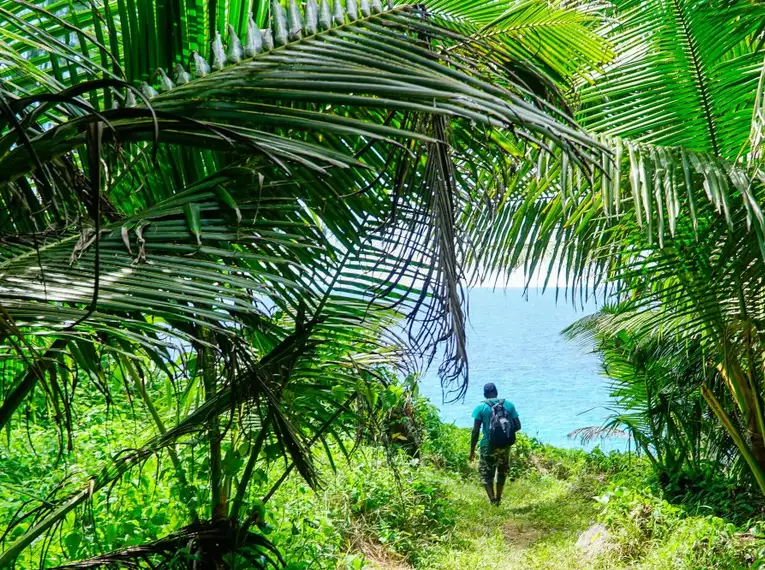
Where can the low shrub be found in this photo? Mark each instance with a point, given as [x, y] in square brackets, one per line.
[447, 447]
[706, 489]
[699, 543]
[395, 501]
[381, 498]
[305, 530]
[645, 528]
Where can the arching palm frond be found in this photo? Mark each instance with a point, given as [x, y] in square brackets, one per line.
[655, 379]
[674, 221]
[221, 112]
[560, 38]
[676, 114]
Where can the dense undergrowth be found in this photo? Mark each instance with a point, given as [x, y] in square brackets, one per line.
[389, 509]
[397, 506]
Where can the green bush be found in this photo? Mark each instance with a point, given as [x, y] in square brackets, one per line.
[645, 528]
[381, 498]
[304, 529]
[571, 463]
[447, 447]
[706, 489]
[699, 543]
[395, 501]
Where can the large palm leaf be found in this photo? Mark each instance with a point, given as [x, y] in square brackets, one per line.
[228, 120]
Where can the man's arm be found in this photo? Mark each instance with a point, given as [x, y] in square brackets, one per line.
[514, 416]
[474, 437]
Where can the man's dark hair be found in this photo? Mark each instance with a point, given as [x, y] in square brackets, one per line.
[490, 390]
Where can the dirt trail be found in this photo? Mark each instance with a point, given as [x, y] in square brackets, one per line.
[536, 527]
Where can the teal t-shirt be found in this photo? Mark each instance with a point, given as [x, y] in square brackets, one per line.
[483, 412]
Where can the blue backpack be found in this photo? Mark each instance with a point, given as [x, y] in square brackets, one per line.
[501, 426]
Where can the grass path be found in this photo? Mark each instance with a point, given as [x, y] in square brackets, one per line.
[537, 526]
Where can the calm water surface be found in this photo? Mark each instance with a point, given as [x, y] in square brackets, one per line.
[555, 384]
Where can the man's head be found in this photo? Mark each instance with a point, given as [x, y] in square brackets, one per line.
[490, 390]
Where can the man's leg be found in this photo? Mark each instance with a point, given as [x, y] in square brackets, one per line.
[486, 468]
[503, 465]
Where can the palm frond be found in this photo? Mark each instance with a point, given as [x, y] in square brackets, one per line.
[192, 544]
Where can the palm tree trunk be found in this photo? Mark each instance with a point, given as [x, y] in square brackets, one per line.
[219, 502]
[755, 464]
[219, 506]
[744, 390]
[754, 427]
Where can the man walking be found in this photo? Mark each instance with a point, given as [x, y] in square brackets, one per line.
[499, 421]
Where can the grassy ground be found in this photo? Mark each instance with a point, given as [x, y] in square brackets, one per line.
[537, 526]
[541, 519]
[392, 512]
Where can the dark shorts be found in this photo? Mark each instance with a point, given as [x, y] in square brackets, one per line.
[494, 461]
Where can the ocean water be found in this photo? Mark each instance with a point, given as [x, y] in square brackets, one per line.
[556, 385]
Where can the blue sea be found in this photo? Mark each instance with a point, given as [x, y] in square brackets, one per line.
[556, 385]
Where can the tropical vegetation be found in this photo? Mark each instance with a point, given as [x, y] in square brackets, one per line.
[228, 227]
